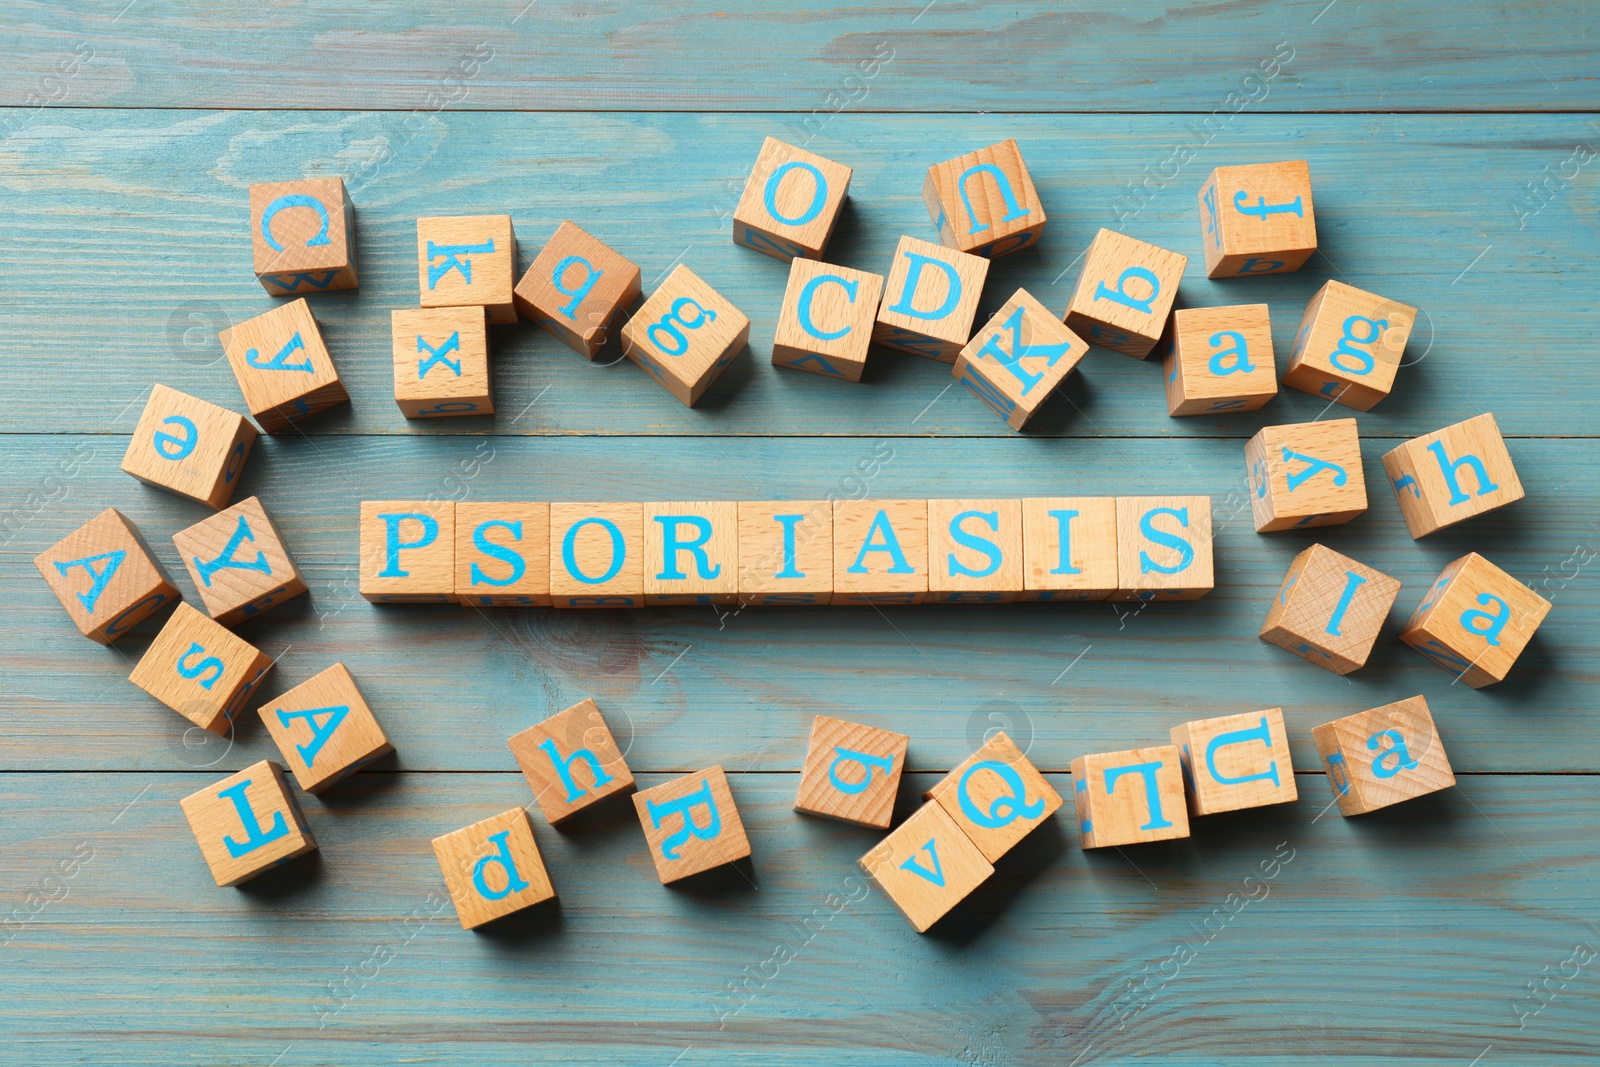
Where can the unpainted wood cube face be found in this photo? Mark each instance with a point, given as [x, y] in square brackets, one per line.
[1452, 474]
[690, 824]
[691, 553]
[1219, 360]
[1069, 548]
[1330, 610]
[597, 555]
[1257, 219]
[880, 551]
[996, 797]
[1234, 762]
[790, 203]
[1305, 474]
[571, 761]
[283, 368]
[441, 362]
[1348, 346]
[930, 300]
[468, 261]
[1383, 756]
[1124, 293]
[1131, 797]
[493, 868]
[303, 236]
[1163, 547]
[193, 448]
[974, 551]
[502, 556]
[825, 324]
[984, 202]
[927, 866]
[247, 824]
[408, 551]
[685, 335]
[106, 577]
[1475, 621]
[1016, 360]
[785, 551]
[578, 289]
[238, 562]
[199, 669]
[851, 772]
[325, 730]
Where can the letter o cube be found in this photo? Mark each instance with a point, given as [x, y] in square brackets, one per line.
[790, 202]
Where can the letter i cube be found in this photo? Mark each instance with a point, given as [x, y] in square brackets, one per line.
[1018, 359]
[825, 324]
[1329, 610]
[790, 202]
[571, 761]
[441, 362]
[1129, 798]
[578, 289]
[283, 368]
[1452, 474]
[190, 447]
[1234, 762]
[996, 797]
[200, 670]
[597, 555]
[785, 551]
[1348, 346]
[880, 551]
[974, 551]
[691, 553]
[1163, 548]
[685, 335]
[247, 824]
[1305, 474]
[493, 868]
[238, 562]
[1475, 621]
[325, 730]
[1257, 219]
[984, 202]
[927, 866]
[303, 236]
[690, 824]
[106, 577]
[1219, 360]
[1069, 548]
[1383, 756]
[851, 772]
[1124, 293]
[408, 551]
[503, 554]
[468, 261]
[930, 300]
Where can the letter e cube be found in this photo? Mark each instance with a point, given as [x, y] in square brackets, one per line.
[190, 447]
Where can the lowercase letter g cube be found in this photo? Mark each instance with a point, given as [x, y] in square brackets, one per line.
[106, 577]
[852, 772]
[1348, 346]
[1452, 474]
[1236, 761]
[247, 824]
[685, 335]
[790, 202]
[1124, 293]
[303, 236]
[1257, 219]
[190, 447]
[984, 202]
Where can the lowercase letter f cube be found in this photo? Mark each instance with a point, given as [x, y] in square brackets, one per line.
[408, 551]
[1018, 359]
[1128, 798]
[852, 772]
[303, 236]
[578, 289]
[685, 335]
[493, 868]
[571, 761]
[1348, 346]
[1257, 219]
[1124, 293]
[1383, 756]
[984, 202]
[468, 261]
[190, 447]
[1452, 474]
[691, 825]
[790, 202]
[200, 669]
[106, 577]
[247, 824]
[283, 368]
[1475, 621]
[1234, 762]
[927, 866]
[996, 797]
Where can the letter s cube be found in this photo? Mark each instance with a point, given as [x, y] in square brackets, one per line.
[201, 670]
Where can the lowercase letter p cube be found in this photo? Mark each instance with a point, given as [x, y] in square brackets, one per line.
[493, 868]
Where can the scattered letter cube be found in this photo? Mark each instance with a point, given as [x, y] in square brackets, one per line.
[503, 554]
[1124, 294]
[1475, 621]
[1330, 609]
[974, 551]
[825, 324]
[597, 555]
[1069, 548]
[1219, 360]
[1383, 756]
[1128, 798]
[984, 202]
[303, 236]
[247, 824]
[238, 562]
[1016, 361]
[685, 335]
[690, 824]
[441, 362]
[1305, 474]
[408, 551]
[1257, 219]
[996, 797]
[493, 868]
[578, 289]
[785, 551]
[1349, 345]
[193, 448]
[106, 576]
[1236, 761]
[852, 772]
[200, 670]
[790, 202]
[880, 551]
[691, 553]
[1163, 547]
[283, 368]
[468, 261]
[325, 730]
[930, 300]
[1452, 474]
[571, 761]
[927, 866]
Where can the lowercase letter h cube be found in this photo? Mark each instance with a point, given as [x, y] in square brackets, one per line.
[571, 761]
[1452, 474]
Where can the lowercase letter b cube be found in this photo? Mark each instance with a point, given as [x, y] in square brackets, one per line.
[996, 797]
[493, 868]
[852, 772]
[1305, 474]
[984, 202]
[597, 555]
[785, 551]
[325, 730]
[106, 577]
[1257, 219]
[503, 554]
[1383, 756]
[1163, 547]
[1018, 358]
[1125, 293]
[927, 866]
[200, 670]
[1128, 798]
[1330, 609]
[247, 824]
[1452, 474]
[238, 562]
[1475, 621]
[578, 289]
[1236, 761]
[1219, 360]
[441, 362]
[190, 447]
[974, 551]
[690, 825]
[825, 325]
[880, 551]
[468, 261]
[1069, 548]
[408, 551]
[790, 202]
[691, 553]
[685, 335]
[1349, 345]
[930, 300]
[283, 368]
[303, 236]
[571, 761]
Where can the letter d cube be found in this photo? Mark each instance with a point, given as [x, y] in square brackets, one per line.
[247, 824]
[996, 797]
[1128, 798]
[1236, 761]
[691, 825]
[852, 772]
[493, 868]
[930, 300]
[571, 761]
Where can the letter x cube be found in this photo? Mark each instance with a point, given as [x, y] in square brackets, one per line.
[441, 362]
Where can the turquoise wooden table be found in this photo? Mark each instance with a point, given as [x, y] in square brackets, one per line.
[1450, 146]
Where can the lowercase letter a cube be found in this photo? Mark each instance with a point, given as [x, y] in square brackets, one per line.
[685, 335]
[996, 797]
[984, 202]
[974, 551]
[441, 362]
[1257, 219]
[927, 866]
[408, 551]
[1128, 798]
[1383, 756]
[201, 670]
[190, 447]
[690, 824]
[1236, 761]
[239, 563]
[247, 824]
[1305, 474]
[1018, 359]
[106, 577]
[1452, 474]
[503, 554]
[1124, 293]
[1349, 345]
[571, 761]
[1330, 609]
[1164, 548]
[468, 261]
[1475, 621]
[1219, 360]
[880, 551]
[930, 300]
[852, 772]
[325, 730]
[303, 236]
[1069, 548]
[283, 368]
[578, 289]
[790, 202]
[493, 868]
[825, 325]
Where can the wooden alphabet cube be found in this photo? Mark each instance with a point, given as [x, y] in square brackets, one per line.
[984, 202]
[441, 362]
[503, 554]
[691, 553]
[790, 202]
[826, 322]
[927, 866]
[107, 578]
[785, 551]
[571, 761]
[685, 335]
[930, 300]
[996, 797]
[193, 448]
[1330, 610]
[1257, 219]
[690, 824]
[1452, 474]
[1305, 474]
[493, 868]
[1069, 548]
[1124, 293]
[1383, 756]
[974, 551]
[283, 368]
[1349, 345]
[1234, 762]
[597, 555]
[1219, 360]
[325, 730]
[247, 824]
[200, 670]
[852, 772]
[408, 551]
[880, 551]
[1131, 797]
[238, 562]
[303, 236]
[468, 261]
[1018, 358]
[1163, 548]
[1475, 621]
[578, 289]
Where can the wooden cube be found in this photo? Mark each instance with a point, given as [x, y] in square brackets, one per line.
[1383, 756]
[974, 551]
[441, 362]
[996, 797]
[283, 368]
[685, 335]
[502, 554]
[1163, 548]
[851, 772]
[1124, 293]
[200, 670]
[880, 551]
[785, 551]
[691, 825]
[325, 730]
[1329, 609]
[578, 289]
[691, 553]
[571, 761]
[1305, 474]
[1069, 548]
[825, 324]
[597, 555]
[107, 578]
[493, 868]
[1475, 621]
[930, 300]
[984, 202]
[408, 551]
[468, 261]
[790, 203]
[1349, 345]
[1131, 797]
[927, 866]
[247, 824]
[1018, 358]
[1257, 219]
[238, 562]
[1234, 762]
[303, 236]
[1219, 360]
[193, 448]
[1452, 474]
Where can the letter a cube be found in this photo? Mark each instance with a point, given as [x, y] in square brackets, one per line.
[503, 554]
[1383, 756]
[325, 730]
[1124, 293]
[927, 866]
[1305, 474]
[852, 772]
[200, 670]
[106, 577]
[996, 797]
[785, 551]
[1475, 621]
[974, 551]
[578, 289]
[825, 324]
[283, 368]
[239, 563]
[571, 761]
[408, 551]
[597, 555]
[1329, 610]
[303, 236]
[1163, 548]
[493, 868]
[1348, 346]
[1129, 798]
[247, 824]
[1069, 548]
[790, 202]
[1257, 219]
[930, 300]
[690, 824]
[441, 362]
[1219, 360]
[685, 335]
[1452, 474]
[468, 261]
[1236, 761]
[984, 202]
[1018, 359]
[880, 551]
[190, 447]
